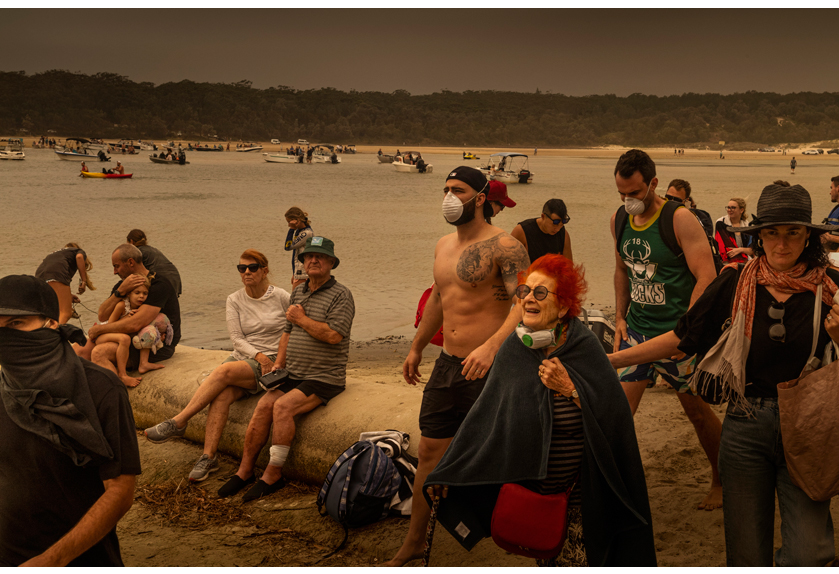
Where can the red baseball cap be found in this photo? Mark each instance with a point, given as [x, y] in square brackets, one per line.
[498, 192]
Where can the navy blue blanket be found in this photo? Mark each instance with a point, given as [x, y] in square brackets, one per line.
[506, 437]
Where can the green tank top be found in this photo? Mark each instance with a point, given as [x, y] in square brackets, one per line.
[660, 283]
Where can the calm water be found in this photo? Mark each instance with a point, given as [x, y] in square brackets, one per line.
[384, 224]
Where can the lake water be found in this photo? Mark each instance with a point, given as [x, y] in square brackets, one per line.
[384, 224]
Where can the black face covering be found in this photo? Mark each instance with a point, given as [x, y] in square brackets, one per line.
[44, 390]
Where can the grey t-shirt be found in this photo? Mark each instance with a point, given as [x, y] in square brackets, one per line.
[311, 359]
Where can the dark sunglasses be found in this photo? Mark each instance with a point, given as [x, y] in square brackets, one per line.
[777, 331]
[674, 198]
[565, 219]
[539, 293]
[253, 267]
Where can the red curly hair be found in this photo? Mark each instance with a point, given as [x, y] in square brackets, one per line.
[570, 280]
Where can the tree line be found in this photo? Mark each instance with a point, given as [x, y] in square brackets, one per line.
[109, 105]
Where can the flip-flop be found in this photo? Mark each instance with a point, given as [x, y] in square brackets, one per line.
[262, 488]
[234, 485]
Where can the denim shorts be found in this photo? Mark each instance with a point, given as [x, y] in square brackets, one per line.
[255, 367]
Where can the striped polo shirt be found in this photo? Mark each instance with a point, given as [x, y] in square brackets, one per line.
[310, 359]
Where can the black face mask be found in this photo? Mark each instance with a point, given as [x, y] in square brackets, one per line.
[45, 391]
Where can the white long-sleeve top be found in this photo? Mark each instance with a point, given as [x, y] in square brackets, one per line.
[256, 325]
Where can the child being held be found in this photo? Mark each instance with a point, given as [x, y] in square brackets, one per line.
[149, 339]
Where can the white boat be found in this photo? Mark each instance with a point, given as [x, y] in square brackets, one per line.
[414, 163]
[75, 156]
[250, 147]
[508, 167]
[82, 145]
[281, 158]
[325, 153]
[13, 149]
[384, 158]
[147, 146]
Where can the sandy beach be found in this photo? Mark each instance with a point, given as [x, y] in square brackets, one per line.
[173, 523]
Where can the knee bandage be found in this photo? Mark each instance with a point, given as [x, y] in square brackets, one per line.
[278, 455]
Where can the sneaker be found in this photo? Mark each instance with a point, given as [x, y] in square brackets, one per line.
[203, 468]
[164, 431]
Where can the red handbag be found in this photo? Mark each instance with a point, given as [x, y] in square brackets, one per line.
[531, 524]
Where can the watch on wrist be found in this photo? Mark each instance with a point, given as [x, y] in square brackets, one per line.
[574, 394]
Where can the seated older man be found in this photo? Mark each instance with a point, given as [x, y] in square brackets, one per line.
[314, 349]
[128, 264]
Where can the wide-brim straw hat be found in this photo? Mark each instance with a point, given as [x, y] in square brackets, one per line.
[782, 205]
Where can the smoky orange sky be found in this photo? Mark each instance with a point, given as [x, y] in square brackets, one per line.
[569, 51]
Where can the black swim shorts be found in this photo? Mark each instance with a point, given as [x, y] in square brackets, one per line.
[324, 391]
[447, 398]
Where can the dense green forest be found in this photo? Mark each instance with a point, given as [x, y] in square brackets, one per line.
[110, 105]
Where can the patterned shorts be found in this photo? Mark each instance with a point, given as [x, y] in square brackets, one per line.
[676, 373]
[574, 551]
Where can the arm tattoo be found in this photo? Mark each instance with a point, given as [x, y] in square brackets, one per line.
[476, 262]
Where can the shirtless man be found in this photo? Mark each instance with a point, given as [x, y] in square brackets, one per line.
[475, 276]
[119, 169]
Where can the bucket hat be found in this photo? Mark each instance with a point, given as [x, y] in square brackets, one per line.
[27, 295]
[318, 244]
[780, 205]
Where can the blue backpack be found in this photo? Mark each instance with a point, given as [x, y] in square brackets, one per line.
[359, 487]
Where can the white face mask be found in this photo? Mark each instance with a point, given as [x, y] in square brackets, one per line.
[636, 206]
[536, 339]
[452, 207]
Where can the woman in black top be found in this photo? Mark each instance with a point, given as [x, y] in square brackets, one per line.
[754, 327]
[58, 268]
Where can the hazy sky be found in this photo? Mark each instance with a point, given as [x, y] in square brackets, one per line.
[569, 51]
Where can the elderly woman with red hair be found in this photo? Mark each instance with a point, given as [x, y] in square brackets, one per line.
[552, 418]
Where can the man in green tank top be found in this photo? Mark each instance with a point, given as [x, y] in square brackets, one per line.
[654, 287]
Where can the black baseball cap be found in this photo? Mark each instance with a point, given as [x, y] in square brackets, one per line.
[27, 295]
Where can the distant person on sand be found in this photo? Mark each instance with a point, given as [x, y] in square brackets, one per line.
[546, 233]
[256, 320]
[792, 165]
[58, 268]
[128, 264]
[148, 340]
[734, 247]
[475, 277]
[654, 286]
[314, 349]
[299, 231]
[155, 261]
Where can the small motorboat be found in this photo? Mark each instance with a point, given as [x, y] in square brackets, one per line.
[325, 153]
[412, 162]
[250, 147]
[384, 158]
[205, 147]
[469, 155]
[173, 161]
[147, 146]
[75, 156]
[106, 175]
[508, 167]
[13, 150]
[282, 158]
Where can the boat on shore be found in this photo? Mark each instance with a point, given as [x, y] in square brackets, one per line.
[282, 158]
[412, 162]
[95, 175]
[508, 167]
[12, 150]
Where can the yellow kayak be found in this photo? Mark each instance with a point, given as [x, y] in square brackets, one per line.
[106, 175]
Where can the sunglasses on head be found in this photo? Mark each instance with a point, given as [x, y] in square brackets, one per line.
[253, 267]
[539, 293]
[777, 331]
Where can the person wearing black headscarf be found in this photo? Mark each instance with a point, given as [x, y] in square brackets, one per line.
[68, 454]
